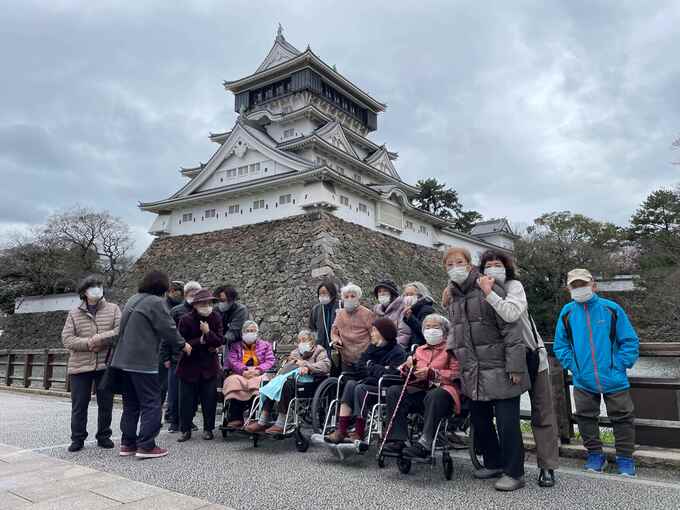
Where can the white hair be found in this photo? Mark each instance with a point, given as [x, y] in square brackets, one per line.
[421, 289]
[249, 323]
[350, 287]
[192, 285]
[308, 333]
[443, 321]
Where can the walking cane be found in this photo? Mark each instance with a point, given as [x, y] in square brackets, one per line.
[396, 408]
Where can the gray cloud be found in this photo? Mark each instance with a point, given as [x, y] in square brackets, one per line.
[524, 109]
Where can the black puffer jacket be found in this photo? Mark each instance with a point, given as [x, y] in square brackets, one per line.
[487, 348]
[419, 311]
[378, 361]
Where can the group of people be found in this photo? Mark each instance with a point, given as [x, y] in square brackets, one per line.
[481, 355]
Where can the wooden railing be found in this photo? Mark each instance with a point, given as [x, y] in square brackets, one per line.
[43, 368]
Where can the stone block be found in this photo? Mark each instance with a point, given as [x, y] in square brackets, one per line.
[167, 501]
[321, 272]
[126, 491]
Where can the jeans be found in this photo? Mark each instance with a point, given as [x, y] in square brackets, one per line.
[173, 397]
[81, 390]
[141, 405]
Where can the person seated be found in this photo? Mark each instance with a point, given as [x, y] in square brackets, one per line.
[310, 359]
[383, 356]
[248, 361]
[432, 390]
[418, 304]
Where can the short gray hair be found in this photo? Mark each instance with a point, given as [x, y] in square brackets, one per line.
[351, 287]
[421, 289]
[249, 323]
[192, 285]
[308, 333]
[445, 324]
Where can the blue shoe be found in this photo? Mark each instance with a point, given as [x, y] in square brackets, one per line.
[595, 462]
[626, 466]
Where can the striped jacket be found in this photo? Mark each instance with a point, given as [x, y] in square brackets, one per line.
[80, 326]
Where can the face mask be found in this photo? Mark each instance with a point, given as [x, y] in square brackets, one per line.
[249, 338]
[384, 299]
[204, 311]
[190, 300]
[458, 274]
[304, 348]
[582, 294]
[223, 306]
[324, 300]
[410, 300]
[350, 304]
[433, 336]
[497, 273]
[94, 292]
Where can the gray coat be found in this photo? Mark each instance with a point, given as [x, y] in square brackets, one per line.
[146, 322]
[487, 348]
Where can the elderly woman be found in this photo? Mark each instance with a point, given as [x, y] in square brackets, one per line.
[432, 390]
[351, 331]
[418, 304]
[311, 359]
[197, 374]
[492, 356]
[248, 360]
[382, 357]
[88, 334]
[146, 322]
[323, 313]
[499, 269]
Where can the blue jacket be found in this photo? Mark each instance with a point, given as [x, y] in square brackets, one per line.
[601, 346]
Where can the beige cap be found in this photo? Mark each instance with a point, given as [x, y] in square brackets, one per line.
[579, 274]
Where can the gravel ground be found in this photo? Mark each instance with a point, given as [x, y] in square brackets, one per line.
[274, 475]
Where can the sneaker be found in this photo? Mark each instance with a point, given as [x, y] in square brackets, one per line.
[626, 466]
[487, 474]
[76, 446]
[255, 427]
[595, 462]
[546, 478]
[194, 428]
[105, 443]
[274, 430]
[153, 453]
[509, 484]
[354, 436]
[234, 424]
[173, 428]
[416, 451]
[127, 451]
[208, 435]
[336, 437]
[393, 447]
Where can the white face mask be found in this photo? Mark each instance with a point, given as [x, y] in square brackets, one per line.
[582, 294]
[223, 306]
[324, 300]
[458, 274]
[433, 336]
[204, 311]
[384, 299]
[497, 273]
[304, 347]
[190, 300]
[95, 292]
[249, 338]
[410, 300]
[350, 304]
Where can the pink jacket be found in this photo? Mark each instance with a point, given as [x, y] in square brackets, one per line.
[354, 331]
[263, 351]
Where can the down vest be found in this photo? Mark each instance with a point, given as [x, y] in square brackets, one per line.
[80, 326]
[487, 348]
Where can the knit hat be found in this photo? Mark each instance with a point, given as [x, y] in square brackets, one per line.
[388, 285]
[387, 329]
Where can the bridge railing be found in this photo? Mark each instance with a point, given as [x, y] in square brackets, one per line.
[35, 368]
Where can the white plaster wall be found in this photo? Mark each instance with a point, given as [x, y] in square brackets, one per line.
[302, 127]
[51, 303]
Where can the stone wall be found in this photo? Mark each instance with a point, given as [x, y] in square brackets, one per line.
[32, 330]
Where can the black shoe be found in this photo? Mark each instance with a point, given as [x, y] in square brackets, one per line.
[194, 428]
[393, 447]
[76, 446]
[105, 442]
[416, 451]
[173, 428]
[546, 478]
[208, 435]
[184, 437]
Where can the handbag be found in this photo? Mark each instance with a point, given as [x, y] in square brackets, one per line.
[533, 359]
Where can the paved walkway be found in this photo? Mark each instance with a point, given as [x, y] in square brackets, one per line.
[274, 475]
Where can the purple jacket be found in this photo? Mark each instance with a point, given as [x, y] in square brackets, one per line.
[202, 363]
[263, 351]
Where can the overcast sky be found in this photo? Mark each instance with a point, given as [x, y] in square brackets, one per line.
[523, 107]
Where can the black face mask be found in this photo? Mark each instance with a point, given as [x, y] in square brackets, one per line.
[174, 301]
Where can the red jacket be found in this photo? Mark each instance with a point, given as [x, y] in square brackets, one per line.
[203, 362]
[443, 370]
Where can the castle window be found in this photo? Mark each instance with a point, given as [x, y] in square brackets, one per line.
[233, 209]
[422, 229]
[363, 208]
[289, 133]
[231, 173]
[255, 169]
[344, 200]
[285, 199]
[187, 217]
[258, 204]
[210, 213]
[242, 170]
[357, 177]
[409, 225]
[340, 170]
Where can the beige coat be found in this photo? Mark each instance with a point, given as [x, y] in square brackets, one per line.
[354, 331]
[81, 326]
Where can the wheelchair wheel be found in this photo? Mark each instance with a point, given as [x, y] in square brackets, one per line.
[323, 396]
[472, 450]
[447, 464]
[301, 442]
[404, 465]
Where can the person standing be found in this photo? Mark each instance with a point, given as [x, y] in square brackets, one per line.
[418, 304]
[173, 298]
[146, 322]
[190, 289]
[88, 334]
[234, 314]
[351, 331]
[596, 342]
[202, 329]
[499, 269]
[493, 371]
[322, 315]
